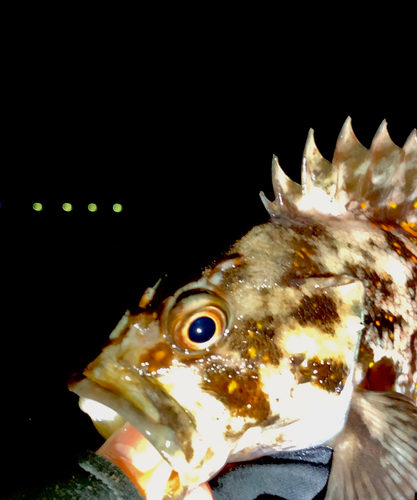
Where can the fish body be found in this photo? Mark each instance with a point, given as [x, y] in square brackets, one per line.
[303, 334]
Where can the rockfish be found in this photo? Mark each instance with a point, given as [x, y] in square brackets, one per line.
[303, 333]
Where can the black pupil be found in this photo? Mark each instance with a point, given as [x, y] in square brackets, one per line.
[202, 329]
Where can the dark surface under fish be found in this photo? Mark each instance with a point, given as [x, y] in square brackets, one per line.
[303, 334]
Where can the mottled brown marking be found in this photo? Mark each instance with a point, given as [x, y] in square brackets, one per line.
[299, 269]
[371, 280]
[233, 275]
[160, 356]
[382, 320]
[326, 373]
[385, 323]
[301, 258]
[398, 245]
[180, 422]
[233, 435]
[254, 340]
[314, 230]
[318, 311]
[280, 438]
[245, 400]
[411, 284]
[300, 263]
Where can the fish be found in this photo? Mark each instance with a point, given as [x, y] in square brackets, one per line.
[302, 334]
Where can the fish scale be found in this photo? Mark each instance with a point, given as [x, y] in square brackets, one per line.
[303, 335]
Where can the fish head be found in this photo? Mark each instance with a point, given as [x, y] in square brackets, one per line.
[240, 363]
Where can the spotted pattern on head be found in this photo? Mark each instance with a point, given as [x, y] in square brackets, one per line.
[319, 311]
[254, 340]
[382, 319]
[241, 393]
[326, 374]
[304, 257]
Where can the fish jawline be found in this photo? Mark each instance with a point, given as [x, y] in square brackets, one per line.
[161, 437]
[155, 433]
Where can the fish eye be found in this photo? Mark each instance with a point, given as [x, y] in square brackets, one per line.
[197, 322]
[202, 329]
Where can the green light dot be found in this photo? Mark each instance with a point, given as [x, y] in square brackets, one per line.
[67, 207]
[117, 207]
[37, 206]
[92, 207]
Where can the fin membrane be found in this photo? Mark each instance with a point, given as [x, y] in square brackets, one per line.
[375, 455]
[378, 184]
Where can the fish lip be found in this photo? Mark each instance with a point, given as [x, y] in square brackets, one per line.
[173, 437]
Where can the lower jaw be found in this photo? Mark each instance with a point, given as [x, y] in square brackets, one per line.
[143, 465]
[127, 448]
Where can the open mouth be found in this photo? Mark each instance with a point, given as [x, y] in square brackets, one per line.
[155, 458]
[139, 460]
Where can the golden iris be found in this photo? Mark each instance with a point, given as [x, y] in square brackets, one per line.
[197, 322]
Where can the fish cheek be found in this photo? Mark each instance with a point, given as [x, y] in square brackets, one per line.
[240, 390]
[241, 394]
[254, 341]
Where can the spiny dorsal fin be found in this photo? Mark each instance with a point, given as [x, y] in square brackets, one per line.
[379, 183]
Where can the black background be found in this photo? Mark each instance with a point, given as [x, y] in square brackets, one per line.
[183, 139]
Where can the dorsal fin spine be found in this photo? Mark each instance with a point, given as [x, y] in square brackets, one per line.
[380, 183]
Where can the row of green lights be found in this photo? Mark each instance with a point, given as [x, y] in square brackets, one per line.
[67, 207]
